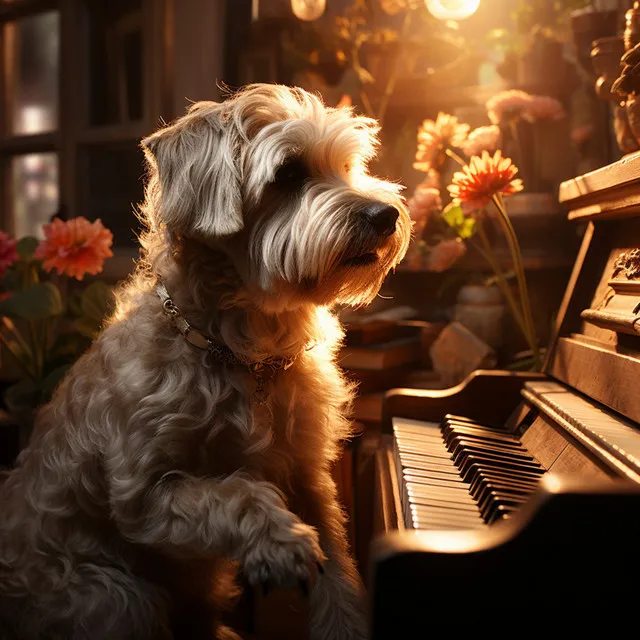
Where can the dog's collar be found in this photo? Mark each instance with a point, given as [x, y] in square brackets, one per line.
[261, 370]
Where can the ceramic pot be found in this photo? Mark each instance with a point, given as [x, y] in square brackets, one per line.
[481, 310]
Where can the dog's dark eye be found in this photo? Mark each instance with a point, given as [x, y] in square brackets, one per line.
[291, 174]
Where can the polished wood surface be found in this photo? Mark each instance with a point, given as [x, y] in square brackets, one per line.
[574, 540]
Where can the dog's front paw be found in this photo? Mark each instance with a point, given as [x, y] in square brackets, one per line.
[284, 555]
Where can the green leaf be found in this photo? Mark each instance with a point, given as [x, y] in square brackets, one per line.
[74, 303]
[467, 228]
[464, 226]
[453, 215]
[35, 303]
[26, 247]
[97, 301]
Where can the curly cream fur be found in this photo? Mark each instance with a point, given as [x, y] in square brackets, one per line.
[153, 473]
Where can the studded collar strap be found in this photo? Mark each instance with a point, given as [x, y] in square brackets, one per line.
[258, 368]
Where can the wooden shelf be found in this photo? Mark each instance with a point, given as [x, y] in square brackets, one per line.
[608, 192]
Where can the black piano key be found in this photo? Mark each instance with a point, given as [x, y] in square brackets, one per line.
[450, 417]
[452, 428]
[496, 497]
[484, 478]
[462, 474]
[473, 464]
[500, 511]
[496, 460]
[507, 443]
[462, 444]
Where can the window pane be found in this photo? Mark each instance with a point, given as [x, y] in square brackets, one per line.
[35, 192]
[115, 61]
[31, 73]
[113, 187]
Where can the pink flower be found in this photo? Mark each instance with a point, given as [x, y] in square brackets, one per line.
[443, 255]
[75, 247]
[434, 136]
[543, 108]
[514, 104]
[482, 139]
[507, 105]
[8, 252]
[424, 201]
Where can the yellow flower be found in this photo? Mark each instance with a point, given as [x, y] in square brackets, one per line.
[433, 138]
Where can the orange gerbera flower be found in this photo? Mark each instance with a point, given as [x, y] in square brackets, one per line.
[482, 178]
[75, 247]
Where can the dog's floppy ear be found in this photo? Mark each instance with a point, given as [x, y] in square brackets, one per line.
[196, 161]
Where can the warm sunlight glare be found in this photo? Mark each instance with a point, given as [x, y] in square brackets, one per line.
[308, 9]
[452, 9]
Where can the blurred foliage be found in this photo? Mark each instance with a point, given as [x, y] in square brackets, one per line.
[374, 39]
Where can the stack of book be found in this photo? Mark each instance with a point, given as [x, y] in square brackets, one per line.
[382, 355]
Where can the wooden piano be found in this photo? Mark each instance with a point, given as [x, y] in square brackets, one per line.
[512, 490]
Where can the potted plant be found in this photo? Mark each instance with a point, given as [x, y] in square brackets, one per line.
[46, 319]
[476, 195]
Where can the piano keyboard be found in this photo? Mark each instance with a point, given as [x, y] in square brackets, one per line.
[460, 474]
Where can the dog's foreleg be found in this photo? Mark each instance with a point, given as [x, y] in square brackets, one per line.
[236, 517]
[338, 601]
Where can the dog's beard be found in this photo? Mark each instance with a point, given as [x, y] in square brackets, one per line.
[317, 246]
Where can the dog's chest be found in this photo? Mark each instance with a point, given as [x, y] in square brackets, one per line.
[293, 429]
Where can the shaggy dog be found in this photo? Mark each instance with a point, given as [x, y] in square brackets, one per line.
[199, 431]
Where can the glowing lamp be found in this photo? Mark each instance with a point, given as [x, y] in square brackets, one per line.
[308, 9]
[452, 9]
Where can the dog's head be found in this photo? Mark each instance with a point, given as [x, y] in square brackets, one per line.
[279, 182]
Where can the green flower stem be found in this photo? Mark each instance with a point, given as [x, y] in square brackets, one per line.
[454, 156]
[516, 255]
[487, 252]
[36, 348]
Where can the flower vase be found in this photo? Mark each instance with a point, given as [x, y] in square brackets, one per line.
[481, 309]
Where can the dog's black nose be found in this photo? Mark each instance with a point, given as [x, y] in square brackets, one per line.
[382, 217]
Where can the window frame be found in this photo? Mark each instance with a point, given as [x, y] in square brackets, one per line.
[13, 145]
[74, 135]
